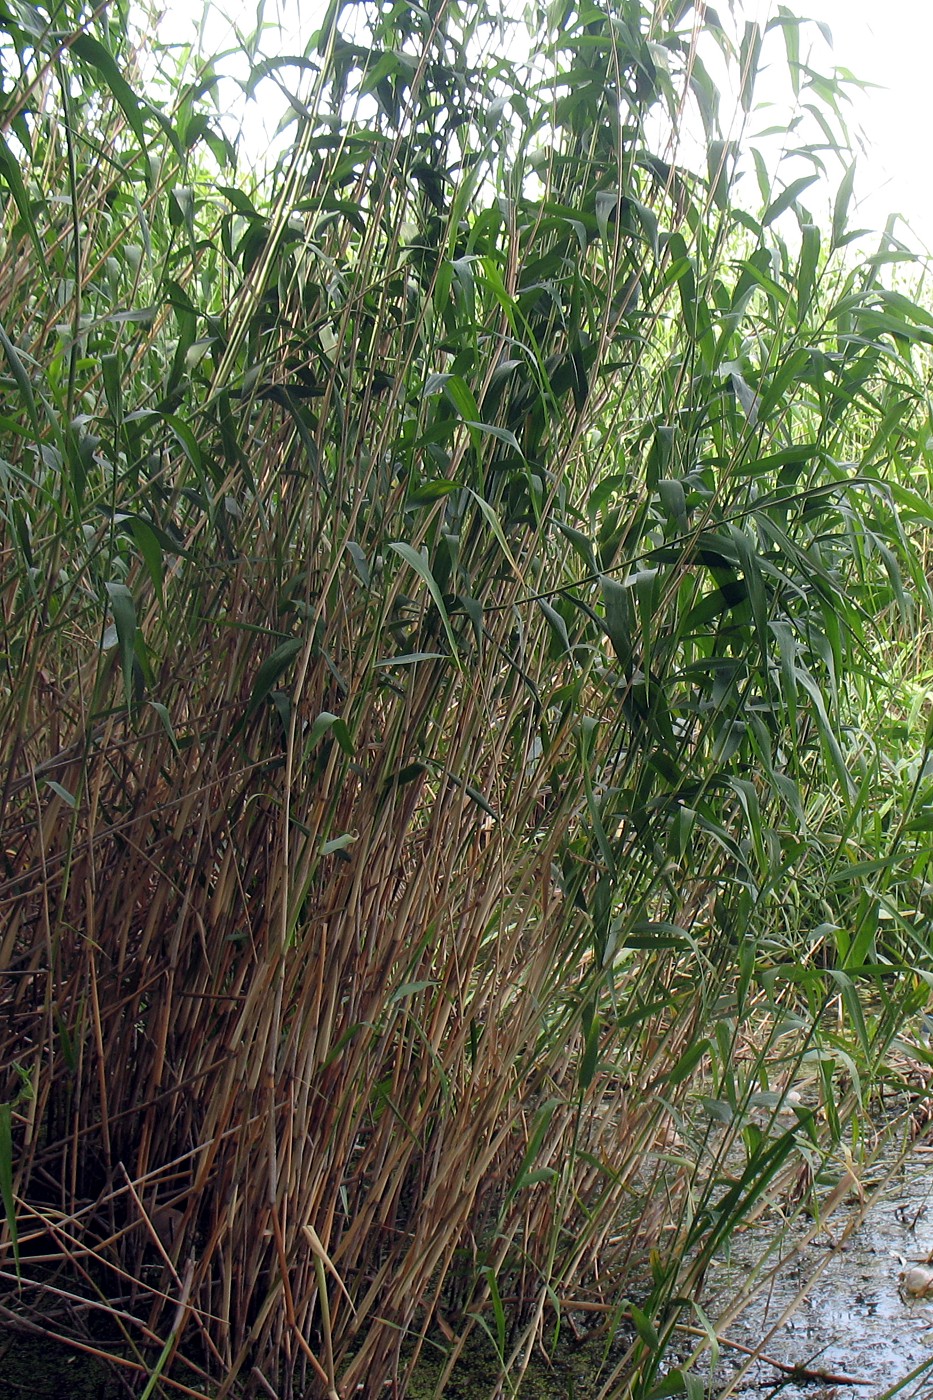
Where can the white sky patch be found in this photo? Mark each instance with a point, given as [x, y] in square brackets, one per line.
[889, 43]
[885, 44]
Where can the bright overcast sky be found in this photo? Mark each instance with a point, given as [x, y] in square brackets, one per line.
[884, 42]
[889, 42]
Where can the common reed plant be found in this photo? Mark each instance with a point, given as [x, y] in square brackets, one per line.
[439, 592]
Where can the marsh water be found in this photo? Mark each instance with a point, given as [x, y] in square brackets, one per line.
[856, 1330]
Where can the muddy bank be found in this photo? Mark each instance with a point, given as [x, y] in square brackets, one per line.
[855, 1321]
[32, 1368]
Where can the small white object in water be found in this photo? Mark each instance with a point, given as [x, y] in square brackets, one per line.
[917, 1281]
[791, 1100]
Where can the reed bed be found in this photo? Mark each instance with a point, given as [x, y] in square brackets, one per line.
[439, 614]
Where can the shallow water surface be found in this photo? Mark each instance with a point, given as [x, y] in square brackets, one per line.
[853, 1321]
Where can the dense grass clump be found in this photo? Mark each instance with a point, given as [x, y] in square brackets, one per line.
[450, 586]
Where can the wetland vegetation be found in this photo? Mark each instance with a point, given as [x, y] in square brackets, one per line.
[467, 778]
